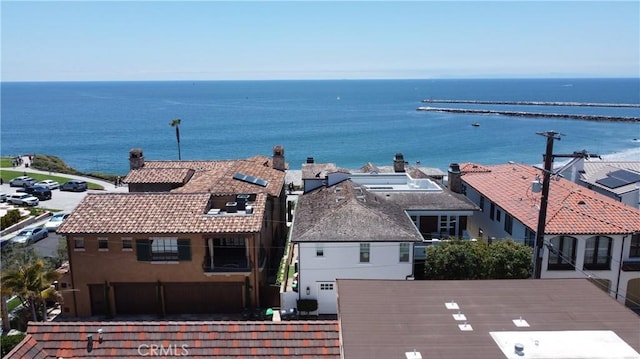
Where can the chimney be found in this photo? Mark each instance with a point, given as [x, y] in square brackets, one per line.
[136, 159]
[278, 158]
[454, 180]
[398, 163]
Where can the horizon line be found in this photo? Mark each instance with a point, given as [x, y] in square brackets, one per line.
[345, 79]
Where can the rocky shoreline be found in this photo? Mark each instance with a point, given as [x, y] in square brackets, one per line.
[537, 103]
[532, 114]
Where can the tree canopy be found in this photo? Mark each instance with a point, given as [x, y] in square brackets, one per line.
[459, 259]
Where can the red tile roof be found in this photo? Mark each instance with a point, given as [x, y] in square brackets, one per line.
[159, 175]
[28, 348]
[294, 339]
[157, 213]
[212, 176]
[572, 209]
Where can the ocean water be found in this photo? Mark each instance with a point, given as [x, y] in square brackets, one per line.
[93, 125]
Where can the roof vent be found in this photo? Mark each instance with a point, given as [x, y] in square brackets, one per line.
[413, 355]
[519, 348]
[232, 207]
[248, 210]
[310, 160]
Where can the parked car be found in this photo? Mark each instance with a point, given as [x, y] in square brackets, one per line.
[50, 184]
[3, 197]
[74, 185]
[54, 222]
[40, 192]
[22, 181]
[30, 235]
[24, 199]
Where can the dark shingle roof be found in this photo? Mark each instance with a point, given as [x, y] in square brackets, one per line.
[347, 212]
[293, 339]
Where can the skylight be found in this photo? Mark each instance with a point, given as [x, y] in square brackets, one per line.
[250, 179]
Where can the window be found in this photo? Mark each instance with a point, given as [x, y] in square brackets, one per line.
[529, 237]
[319, 250]
[498, 215]
[163, 249]
[127, 244]
[103, 243]
[481, 203]
[326, 286]
[78, 243]
[492, 209]
[634, 248]
[364, 252]
[508, 224]
[597, 253]
[404, 252]
[562, 254]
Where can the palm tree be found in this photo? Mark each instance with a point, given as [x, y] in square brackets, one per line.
[32, 283]
[176, 123]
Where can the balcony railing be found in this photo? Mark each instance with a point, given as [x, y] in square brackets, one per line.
[226, 265]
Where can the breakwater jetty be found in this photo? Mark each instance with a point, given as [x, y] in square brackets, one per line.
[532, 114]
[536, 103]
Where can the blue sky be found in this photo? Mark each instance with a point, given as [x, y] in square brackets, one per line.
[211, 40]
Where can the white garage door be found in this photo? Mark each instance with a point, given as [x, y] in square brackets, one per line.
[327, 300]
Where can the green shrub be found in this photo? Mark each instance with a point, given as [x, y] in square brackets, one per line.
[307, 305]
[12, 217]
[9, 342]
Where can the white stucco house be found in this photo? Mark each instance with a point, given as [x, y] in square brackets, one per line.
[368, 226]
[587, 234]
[619, 180]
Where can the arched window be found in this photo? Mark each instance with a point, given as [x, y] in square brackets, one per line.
[597, 253]
[562, 254]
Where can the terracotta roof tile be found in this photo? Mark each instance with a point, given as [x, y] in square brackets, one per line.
[212, 176]
[159, 175]
[240, 342]
[572, 209]
[157, 213]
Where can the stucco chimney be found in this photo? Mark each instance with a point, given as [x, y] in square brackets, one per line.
[136, 159]
[278, 158]
[398, 163]
[454, 180]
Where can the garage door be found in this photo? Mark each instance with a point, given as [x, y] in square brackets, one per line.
[136, 298]
[202, 298]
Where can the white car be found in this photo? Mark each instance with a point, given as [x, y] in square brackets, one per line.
[54, 222]
[22, 181]
[30, 235]
[50, 184]
[24, 199]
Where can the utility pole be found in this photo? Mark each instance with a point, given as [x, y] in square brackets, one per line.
[542, 215]
[544, 196]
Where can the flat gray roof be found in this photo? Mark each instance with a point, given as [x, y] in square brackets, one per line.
[461, 319]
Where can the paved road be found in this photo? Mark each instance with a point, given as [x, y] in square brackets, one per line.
[60, 201]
